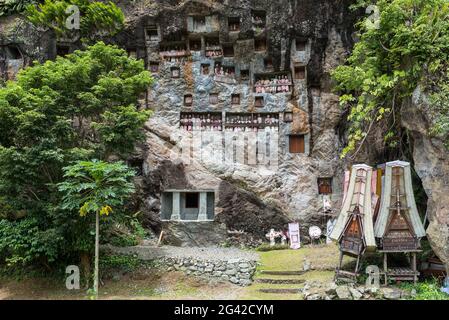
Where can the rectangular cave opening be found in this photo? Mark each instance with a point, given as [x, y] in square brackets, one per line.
[244, 75]
[199, 23]
[188, 100]
[175, 72]
[154, 66]
[259, 18]
[300, 72]
[152, 33]
[137, 165]
[194, 44]
[288, 116]
[259, 102]
[188, 205]
[300, 44]
[234, 24]
[62, 50]
[324, 185]
[213, 98]
[205, 69]
[174, 51]
[260, 44]
[213, 46]
[235, 99]
[12, 52]
[228, 50]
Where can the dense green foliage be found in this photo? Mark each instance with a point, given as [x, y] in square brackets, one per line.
[427, 290]
[76, 108]
[95, 17]
[8, 7]
[95, 186]
[388, 63]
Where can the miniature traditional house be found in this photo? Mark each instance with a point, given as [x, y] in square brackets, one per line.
[398, 226]
[354, 227]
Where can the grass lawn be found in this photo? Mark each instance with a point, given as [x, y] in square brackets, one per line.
[324, 258]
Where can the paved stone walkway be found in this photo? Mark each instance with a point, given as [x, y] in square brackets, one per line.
[200, 253]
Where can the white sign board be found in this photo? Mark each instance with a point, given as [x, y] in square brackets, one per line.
[329, 227]
[293, 232]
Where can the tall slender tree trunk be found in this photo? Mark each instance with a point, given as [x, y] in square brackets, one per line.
[97, 251]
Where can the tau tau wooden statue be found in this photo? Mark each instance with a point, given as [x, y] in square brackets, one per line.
[398, 228]
[354, 227]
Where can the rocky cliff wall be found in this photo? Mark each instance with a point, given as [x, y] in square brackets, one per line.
[431, 163]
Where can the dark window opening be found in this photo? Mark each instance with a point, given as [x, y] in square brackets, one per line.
[153, 33]
[244, 75]
[137, 165]
[259, 19]
[324, 185]
[13, 53]
[188, 100]
[205, 69]
[62, 50]
[192, 200]
[154, 66]
[268, 63]
[258, 101]
[228, 50]
[296, 144]
[212, 41]
[235, 99]
[234, 24]
[199, 23]
[288, 116]
[300, 72]
[175, 72]
[301, 44]
[260, 44]
[195, 44]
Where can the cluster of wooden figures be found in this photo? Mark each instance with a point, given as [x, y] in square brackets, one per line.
[201, 122]
[258, 21]
[214, 53]
[379, 213]
[220, 71]
[252, 122]
[277, 84]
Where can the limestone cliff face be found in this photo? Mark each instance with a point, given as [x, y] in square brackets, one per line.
[431, 163]
[249, 197]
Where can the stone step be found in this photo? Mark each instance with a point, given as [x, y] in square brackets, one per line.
[279, 281]
[283, 272]
[281, 290]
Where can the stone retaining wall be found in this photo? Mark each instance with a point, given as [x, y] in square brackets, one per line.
[236, 271]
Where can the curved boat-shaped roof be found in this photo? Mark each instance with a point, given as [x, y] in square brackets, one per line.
[356, 188]
[384, 212]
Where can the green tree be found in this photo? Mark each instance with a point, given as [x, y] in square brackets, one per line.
[96, 187]
[80, 107]
[409, 47]
[96, 18]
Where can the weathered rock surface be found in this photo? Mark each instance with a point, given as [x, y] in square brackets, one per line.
[431, 163]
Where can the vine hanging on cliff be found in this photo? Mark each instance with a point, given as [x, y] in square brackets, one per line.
[408, 39]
